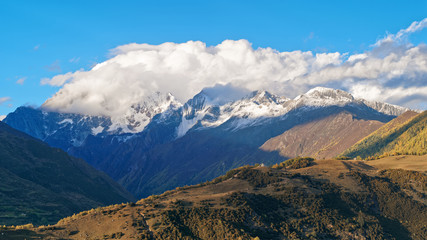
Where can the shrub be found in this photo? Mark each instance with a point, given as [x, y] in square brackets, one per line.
[295, 163]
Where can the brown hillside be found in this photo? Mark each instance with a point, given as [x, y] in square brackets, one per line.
[331, 199]
[325, 138]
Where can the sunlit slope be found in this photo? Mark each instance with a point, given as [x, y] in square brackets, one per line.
[407, 134]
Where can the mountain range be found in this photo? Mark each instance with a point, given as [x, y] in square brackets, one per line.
[160, 143]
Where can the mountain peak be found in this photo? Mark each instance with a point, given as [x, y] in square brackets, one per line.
[140, 114]
[322, 96]
[320, 89]
[328, 93]
[263, 97]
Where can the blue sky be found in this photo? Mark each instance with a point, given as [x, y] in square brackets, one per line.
[41, 39]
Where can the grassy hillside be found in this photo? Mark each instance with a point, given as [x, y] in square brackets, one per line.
[406, 134]
[41, 185]
[325, 199]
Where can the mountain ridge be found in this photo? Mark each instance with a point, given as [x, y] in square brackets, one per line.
[140, 114]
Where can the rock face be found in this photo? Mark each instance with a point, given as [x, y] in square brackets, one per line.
[196, 141]
[41, 184]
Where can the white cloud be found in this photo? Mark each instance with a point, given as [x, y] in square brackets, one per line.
[357, 57]
[222, 94]
[21, 80]
[58, 80]
[4, 99]
[403, 33]
[392, 73]
[136, 71]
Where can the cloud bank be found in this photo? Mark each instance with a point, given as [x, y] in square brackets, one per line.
[391, 71]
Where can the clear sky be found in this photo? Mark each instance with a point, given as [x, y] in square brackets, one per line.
[41, 39]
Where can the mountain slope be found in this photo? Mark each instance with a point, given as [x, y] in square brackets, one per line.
[330, 199]
[406, 134]
[41, 184]
[325, 138]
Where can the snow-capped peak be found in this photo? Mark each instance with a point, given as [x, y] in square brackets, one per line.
[256, 105]
[385, 108]
[264, 97]
[260, 106]
[321, 96]
[140, 114]
[323, 92]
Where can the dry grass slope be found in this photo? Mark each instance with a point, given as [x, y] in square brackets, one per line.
[324, 138]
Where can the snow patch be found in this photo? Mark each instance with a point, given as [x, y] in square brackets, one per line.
[187, 124]
[97, 130]
[67, 120]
